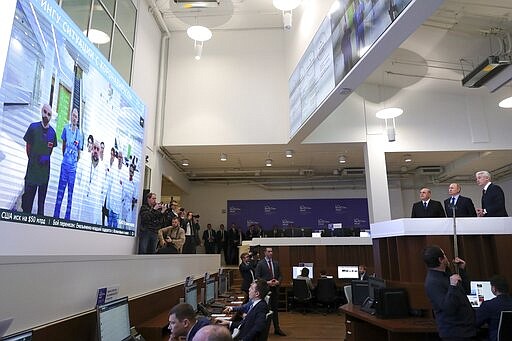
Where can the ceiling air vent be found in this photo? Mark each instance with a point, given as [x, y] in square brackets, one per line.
[353, 171]
[197, 4]
[429, 170]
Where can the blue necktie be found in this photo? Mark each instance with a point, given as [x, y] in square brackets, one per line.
[453, 201]
[425, 205]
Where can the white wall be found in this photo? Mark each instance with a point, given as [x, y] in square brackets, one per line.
[236, 94]
[42, 289]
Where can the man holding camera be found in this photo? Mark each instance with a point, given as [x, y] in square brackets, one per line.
[191, 226]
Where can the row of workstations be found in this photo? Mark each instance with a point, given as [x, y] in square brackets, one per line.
[146, 315]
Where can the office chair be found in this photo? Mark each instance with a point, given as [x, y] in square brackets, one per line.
[264, 336]
[505, 326]
[348, 293]
[301, 292]
[326, 292]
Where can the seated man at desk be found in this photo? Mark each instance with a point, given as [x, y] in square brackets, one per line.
[254, 321]
[213, 333]
[183, 322]
[490, 311]
[304, 275]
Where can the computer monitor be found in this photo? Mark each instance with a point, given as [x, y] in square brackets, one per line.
[359, 291]
[348, 271]
[209, 296]
[296, 270]
[191, 296]
[482, 289]
[113, 320]
[375, 283]
[223, 284]
[23, 336]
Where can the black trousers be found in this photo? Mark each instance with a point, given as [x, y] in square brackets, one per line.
[27, 199]
[274, 306]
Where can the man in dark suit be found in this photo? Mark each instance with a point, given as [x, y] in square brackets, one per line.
[183, 322]
[463, 206]
[268, 270]
[493, 198]
[427, 208]
[490, 311]
[246, 268]
[222, 242]
[209, 236]
[254, 322]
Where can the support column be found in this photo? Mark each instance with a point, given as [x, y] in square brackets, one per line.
[376, 179]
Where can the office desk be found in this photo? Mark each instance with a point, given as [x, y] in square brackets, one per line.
[363, 326]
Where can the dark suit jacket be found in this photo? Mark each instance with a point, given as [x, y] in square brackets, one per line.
[254, 322]
[245, 271]
[493, 201]
[221, 243]
[434, 210]
[201, 322]
[489, 312]
[463, 207]
[263, 272]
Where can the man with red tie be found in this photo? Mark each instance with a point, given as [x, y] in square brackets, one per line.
[268, 270]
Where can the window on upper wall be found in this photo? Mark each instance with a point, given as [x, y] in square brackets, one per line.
[110, 25]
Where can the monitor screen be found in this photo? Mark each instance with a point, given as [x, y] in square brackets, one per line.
[316, 234]
[359, 291]
[23, 336]
[373, 284]
[296, 270]
[191, 296]
[114, 320]
[223, 284]
[209, 296]
[482, 289]
[348, 271]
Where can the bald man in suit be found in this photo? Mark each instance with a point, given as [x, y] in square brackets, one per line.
[426, 207]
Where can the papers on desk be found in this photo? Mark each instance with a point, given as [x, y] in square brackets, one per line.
[218, 315]
[236, 302]
[474, 300]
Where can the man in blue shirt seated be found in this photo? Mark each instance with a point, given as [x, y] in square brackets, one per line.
[490, 311]
[254, 322]
[183, 322]
[447, 293]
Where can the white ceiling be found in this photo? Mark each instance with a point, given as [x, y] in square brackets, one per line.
[412, 65]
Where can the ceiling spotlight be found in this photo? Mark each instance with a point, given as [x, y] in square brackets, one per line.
[223, 157]
[199, 34]
[342, 159]
[390, 113]
[287, 6]
[289, 153]
[185, 162]
[268, 162]
[407, 158]
[97, 36]
[506, 103]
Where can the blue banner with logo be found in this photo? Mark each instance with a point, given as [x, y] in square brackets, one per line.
[304, 213]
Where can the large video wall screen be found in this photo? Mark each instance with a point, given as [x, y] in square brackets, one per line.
[345, 35]
[71, 129]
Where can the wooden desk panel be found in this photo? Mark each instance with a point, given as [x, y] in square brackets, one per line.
[363, 326]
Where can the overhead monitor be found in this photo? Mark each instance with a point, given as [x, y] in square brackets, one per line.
[348, 271]
[296, 270]
[191, 296]
[114, 320]
[23, 336]
[482, 289]
[209, 296]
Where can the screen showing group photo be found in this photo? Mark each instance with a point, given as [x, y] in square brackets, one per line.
[71, 129]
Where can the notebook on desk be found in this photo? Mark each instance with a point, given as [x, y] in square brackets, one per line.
[474, 300]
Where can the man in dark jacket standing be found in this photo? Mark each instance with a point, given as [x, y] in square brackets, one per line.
[151, 216]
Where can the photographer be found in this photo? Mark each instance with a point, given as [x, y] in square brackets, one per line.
[190, 225]
[151, 218]
[246, 268]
